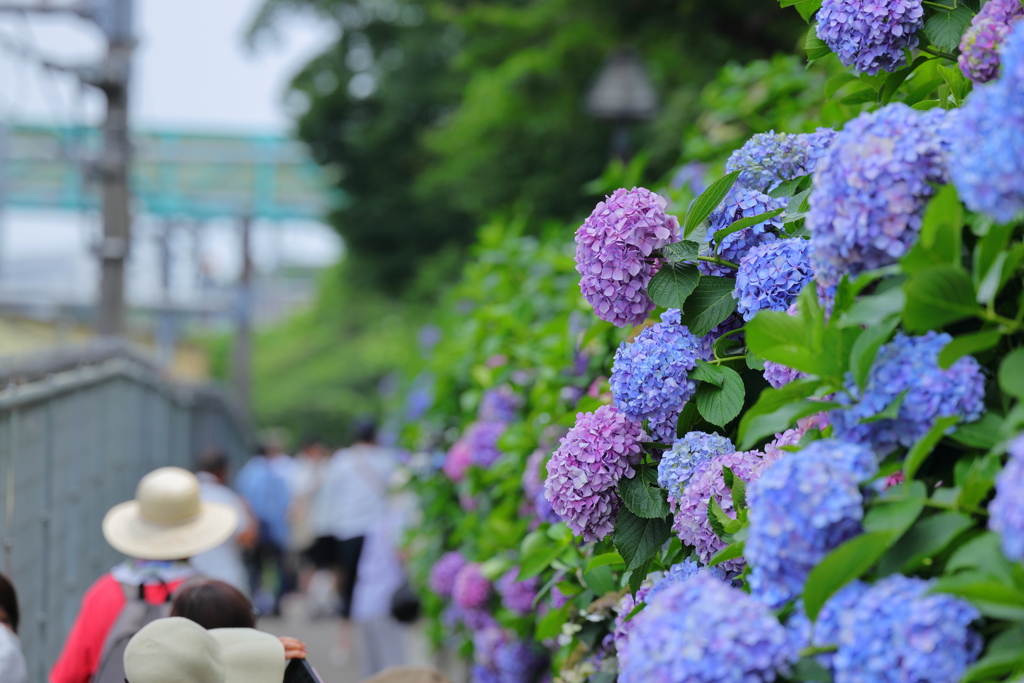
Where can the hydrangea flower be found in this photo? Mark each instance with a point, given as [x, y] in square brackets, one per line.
[532, 481]
[771, 276]
[824, 632]
[679, 463]
[911, 365]
[899, 632]
[519, 661]
[871, 188]
[741, 203]
[471, 588]
[691, 175]
[1007, 508]
[542, 508]
[482, 441]
[779, 375]
[621, 628]
[499, 405]
[682, 571]
[613, 253]
[801, 508]
[663, 427]
[704, 631]
[517, 595]
[442, 574]
[767, 159]
[870, 35]
[987, 140]
[691, 508]
[458, 460]
[558, 598]
[583, 474]
[979, 56]
[650, 376]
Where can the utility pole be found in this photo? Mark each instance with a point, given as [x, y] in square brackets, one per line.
[241, 360]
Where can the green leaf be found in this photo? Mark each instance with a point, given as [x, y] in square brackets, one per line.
[551, 625]
[814, 46]
[926, 444]
[719, 405]
[777, 409]
[808, 669]
[872, 310]
[539, 559]
[990, 595]
[966, 344]
[865, 349]
[891, 412]
[943, 223]
[984, 554]
[636, 579]
[983, 434]
[710, 303]
[717, 518]
[706, 372]
[600, 579]
[707, 202]
[603, 559]
[642, 495]
[806, 8]
[638, 539]
[895, 79]
[837, 81]
[958, 84]
[925, 539]
[672, 284]
[925, 105]
[896, 515]
[844, 564]
[860, 97]
[1011, 374]
[729, 552]
[981, 477]
[681, 251]
[945, 29]
[936, 297]
[743, 223]
[738, 488]
[1004, 654]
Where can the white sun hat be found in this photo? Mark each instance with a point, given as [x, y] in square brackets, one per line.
[167, 521]
[173, 650]
[250, 656]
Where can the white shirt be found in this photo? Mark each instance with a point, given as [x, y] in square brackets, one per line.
[357, 485]
[225, 561]
[311, 495]
[12, 662]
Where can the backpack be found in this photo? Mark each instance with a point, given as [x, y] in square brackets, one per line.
[137, 613]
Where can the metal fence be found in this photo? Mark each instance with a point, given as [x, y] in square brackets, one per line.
[77, 432]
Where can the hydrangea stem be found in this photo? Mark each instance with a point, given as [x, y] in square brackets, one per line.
[939, 53]
[718, 262]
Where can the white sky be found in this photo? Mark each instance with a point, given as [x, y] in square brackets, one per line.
[192, 71]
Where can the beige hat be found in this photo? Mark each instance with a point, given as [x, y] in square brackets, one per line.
[250, 656]
[167, 521]
[173, 650]
[407, 674]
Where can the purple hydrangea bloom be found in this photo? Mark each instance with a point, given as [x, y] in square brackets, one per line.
[622, 628]
[771, 276]
[471, 588]
[458, 460]
[979, 47]
[987, 140]
[683, 571]
[691, 175]
[767, 159]
[741, 203]
[613, 253]
[519, 661]
[558, 598]
[499, 405]
[899, 632]
[870, 35]
[483, 674]
[442, 574]
[911, 365]
[691, 508]
[663, 427]
[1007, 508]
[871, 188]
[779, 375]
[542, 507]
[680, 463]
[517, 595]
[650, 376]
[532, 481]
[482, 441]
[584, 472]
[824, 632]
[704, 631]
[803, 507]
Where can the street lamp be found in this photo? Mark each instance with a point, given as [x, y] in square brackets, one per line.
[622, 93]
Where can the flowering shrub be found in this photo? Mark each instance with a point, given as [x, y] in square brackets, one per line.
[780, 434]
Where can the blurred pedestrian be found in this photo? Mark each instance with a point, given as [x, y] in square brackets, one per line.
[266, 492]
[359, 485]
[164, 526]
[311, 526]
[225, 561]
[12, 662]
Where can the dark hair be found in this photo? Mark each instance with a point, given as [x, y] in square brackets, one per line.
[366, 431]
[309, 441]
[213, 460]
[214, 604]
[9, 602]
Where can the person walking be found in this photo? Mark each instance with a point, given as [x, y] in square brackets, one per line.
[311, 519]
[13, 668]
[166, 524]
[266, 492]
[225, 561]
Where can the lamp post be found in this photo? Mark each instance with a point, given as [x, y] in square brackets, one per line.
[622, 93]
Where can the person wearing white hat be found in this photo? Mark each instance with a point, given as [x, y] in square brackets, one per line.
[178, 650]
[159, 530]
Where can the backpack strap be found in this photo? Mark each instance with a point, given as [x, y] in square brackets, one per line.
[137, 612]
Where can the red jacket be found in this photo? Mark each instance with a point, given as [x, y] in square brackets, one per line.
[101, 605]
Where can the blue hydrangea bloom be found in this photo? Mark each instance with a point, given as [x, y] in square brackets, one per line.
[683, 571]
[771, 276]
[680, 462]
[870, 35]
[824, 632]
[519, 661]
[979, 46]
[911, 365]
[801, 508]
[871, 189]
[767, 159]
[704, 631]
[741, 203]
[650, 376]
[1007, 508]
[987, 140]
[898, 632]
[499, 405]
[779, 375]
